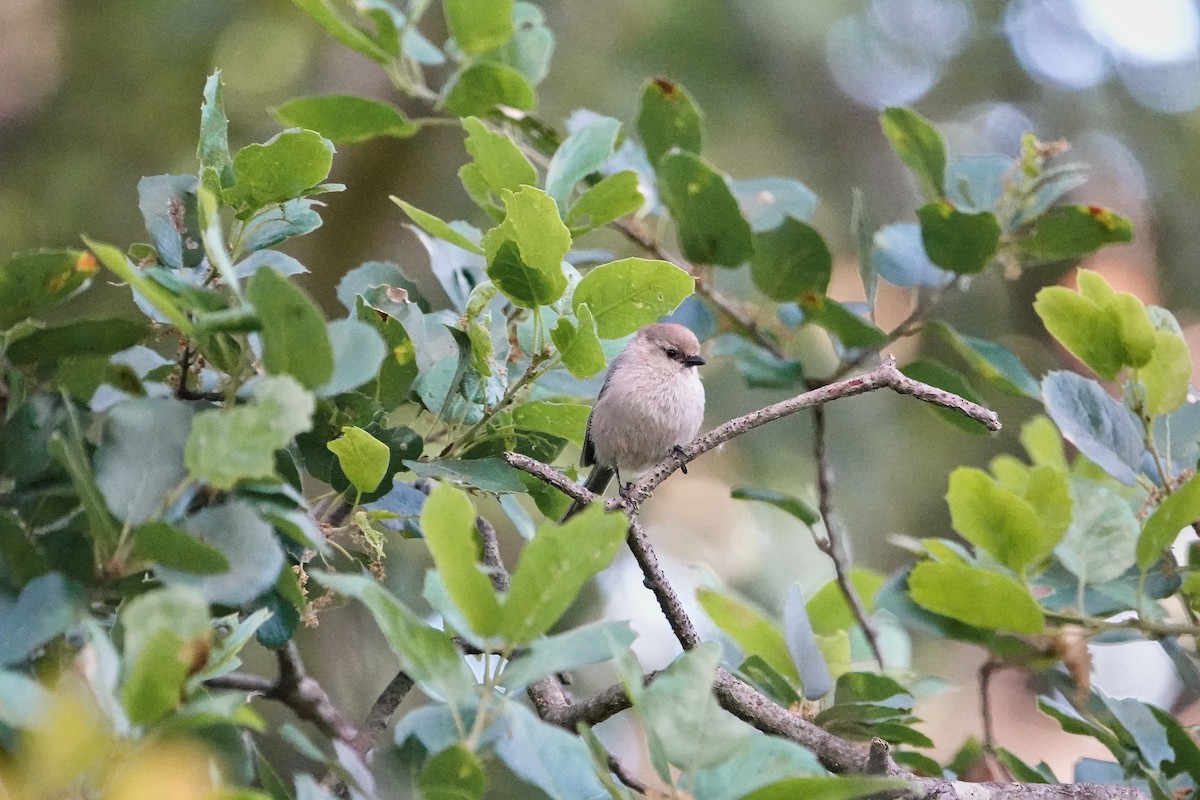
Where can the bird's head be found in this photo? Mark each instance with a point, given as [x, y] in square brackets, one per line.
[669, 347]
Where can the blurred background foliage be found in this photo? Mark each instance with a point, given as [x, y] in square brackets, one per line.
[94, 94]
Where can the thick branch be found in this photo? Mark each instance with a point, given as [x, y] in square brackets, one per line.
[833, 545]
[307, 698]
[381, 714]
[886, 375]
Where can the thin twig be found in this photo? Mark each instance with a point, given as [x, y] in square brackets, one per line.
[491, 554]
[833, 544]
[242, 682]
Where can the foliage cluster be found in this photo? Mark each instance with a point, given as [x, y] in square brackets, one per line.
[160, 513]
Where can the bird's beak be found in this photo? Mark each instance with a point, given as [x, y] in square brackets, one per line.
[694, 361]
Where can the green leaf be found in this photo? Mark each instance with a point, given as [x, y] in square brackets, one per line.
[683, 721]
[525, 251]
[975, 596]
[710, 224]
[610, 199]
[1101, 542]
[428, 655]
[479, 25]
[344, 32]
[562, 419]
[498, 162]
[993, 362]
[448, 523]
[784, 502]
[898, 256]
[247, 542]
[238, 443]
[68, 451]
[453, 774]
[1180, 509]
[753, 633]
[488, 474]
[1083, 327]
[358, 352]
[1074, 231]
[362, 457]
[345, 119]
[828, 610]
[1103, 429]
[484, 85]
[999, 521]
[140, 456]
[40, 279]
[827, 788]
[213, 149]
[580, 154]
[171, 627]
[919, 146]
[957, 241]
[1167, 375]
[44, 608]
[589, 644]
[624, 295]
[160, 298]
[579, 346]
[165, 544]
[554, 566]
[790, 260]
[92, 337]
[285, 167]
[294, 340]
[851, 329]
[668, 118]
[436, 227]
[1043, 443]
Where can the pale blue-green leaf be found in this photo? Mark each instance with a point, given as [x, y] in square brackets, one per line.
[168, 206]
[580, 154]
[1103, 429]
[531, 45]
[276, 223]
[550, 758]
[766, 202]
[140, 457]
[976, 183]
[761, 761]
[280, 262]
[488, 474]
[1146, 731]
[23, 701]
[358, 350]
[248, 543]
[44, 608]
[900, 259]
[803, 646]
[589, 644]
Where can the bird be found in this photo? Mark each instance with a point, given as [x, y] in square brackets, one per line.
[650, 405]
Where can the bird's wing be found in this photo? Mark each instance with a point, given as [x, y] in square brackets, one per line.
[588, 457]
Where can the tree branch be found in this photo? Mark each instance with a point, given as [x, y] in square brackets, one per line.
[656, 581]
[886, 375]
[833, 545]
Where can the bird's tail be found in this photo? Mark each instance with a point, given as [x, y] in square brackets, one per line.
[597, 482]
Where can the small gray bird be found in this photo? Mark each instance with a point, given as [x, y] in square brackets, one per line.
[651, 403]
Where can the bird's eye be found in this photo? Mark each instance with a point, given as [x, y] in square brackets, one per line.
[672, 352]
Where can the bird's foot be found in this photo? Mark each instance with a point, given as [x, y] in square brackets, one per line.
[677, 451]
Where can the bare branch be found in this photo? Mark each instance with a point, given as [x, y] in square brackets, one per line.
[381, 714]
[833, 545]
[307, 698]
[656, 581]
[886, 375]
[551, 476]
[491, 554]
[242, 682]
